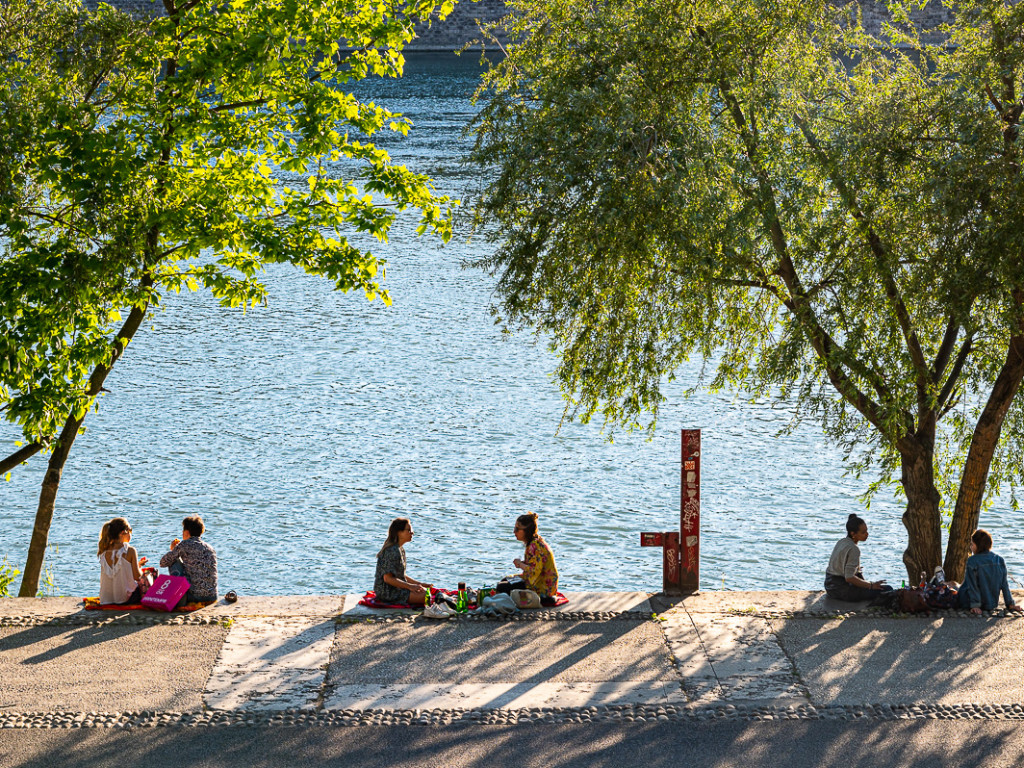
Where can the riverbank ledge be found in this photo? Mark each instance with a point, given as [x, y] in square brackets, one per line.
[606, 655]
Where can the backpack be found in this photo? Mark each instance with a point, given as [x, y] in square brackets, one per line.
[933, 597]
[911, 600]
[940, 596]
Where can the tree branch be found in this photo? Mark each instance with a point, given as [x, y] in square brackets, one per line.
[881, 254]
[239, 105]
[22, 454]
[945, 349]
[61, 222]
[992, 98]
[739, 283]
[954, 374]
[831, 354]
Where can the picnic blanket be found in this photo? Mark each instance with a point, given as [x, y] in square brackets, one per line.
[94, 604]
[370, 600]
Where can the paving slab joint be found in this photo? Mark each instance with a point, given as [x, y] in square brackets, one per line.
[795, 670]
[522, 616]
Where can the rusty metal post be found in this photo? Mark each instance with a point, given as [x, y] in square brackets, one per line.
[671, 562]
[681, 550]
[689, 512]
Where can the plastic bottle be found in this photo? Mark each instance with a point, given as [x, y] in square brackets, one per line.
[460, 601]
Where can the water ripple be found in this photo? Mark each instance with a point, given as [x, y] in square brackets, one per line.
[298, 430]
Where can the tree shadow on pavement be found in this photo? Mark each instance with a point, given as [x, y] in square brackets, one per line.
[56, 641]
[492, 652]
[106, 667]
[865, 660]
[718, 744]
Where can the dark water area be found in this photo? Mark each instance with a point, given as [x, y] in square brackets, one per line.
[298, 430]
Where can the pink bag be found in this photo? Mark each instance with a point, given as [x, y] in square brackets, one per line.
[166, 592]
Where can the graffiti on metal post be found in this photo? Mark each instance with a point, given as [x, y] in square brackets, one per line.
[689, 510]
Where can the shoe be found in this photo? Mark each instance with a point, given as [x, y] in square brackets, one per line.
[436, 611]
[447, 610]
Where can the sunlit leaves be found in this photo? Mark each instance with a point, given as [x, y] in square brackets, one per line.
[767, 187]
[189, 151]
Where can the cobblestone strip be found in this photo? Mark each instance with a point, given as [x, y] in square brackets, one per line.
[874, 613]
[111, 618]
[532, 615]
[271, 663]
[736, 658]
[621, 713]
[149, 618]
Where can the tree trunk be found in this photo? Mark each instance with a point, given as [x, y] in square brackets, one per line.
[44, 512]
[921, 518]
[51, 480]
[979, 458]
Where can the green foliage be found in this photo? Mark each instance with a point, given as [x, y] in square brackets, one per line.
[825, 217]
[7, 576]
[48, 582]
[180, 152]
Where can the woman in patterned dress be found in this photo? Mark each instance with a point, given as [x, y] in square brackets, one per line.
[391, 584]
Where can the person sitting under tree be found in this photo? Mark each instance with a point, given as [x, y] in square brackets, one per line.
[985, 577]
[843, 577]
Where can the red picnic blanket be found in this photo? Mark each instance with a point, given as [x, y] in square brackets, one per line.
[94, 604]
[370, 600]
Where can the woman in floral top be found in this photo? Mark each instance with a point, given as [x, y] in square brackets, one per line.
[538, 563]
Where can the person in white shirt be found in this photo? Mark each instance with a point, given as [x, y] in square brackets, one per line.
[120, 564]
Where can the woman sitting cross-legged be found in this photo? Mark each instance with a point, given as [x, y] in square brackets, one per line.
[843, 577]
[391, 584]
[120, 565]
[985, 577]
[539, 571]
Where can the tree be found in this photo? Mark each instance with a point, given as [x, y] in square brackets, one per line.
[823, 216]
[183, 151]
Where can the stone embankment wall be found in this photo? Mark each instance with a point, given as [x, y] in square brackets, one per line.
[461, 26]
[451, 34]
[926, 19]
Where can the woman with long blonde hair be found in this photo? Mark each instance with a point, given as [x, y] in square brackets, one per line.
[120, 564]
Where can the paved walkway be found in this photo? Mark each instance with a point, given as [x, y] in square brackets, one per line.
[612, 656]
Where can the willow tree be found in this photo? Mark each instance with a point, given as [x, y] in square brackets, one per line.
[828, 218]
[184, 151]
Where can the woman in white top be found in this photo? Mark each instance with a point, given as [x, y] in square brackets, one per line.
[120, 565]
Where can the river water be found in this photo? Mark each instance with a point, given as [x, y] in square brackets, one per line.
[300, 429]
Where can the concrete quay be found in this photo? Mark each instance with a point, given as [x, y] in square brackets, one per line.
[606, 663]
